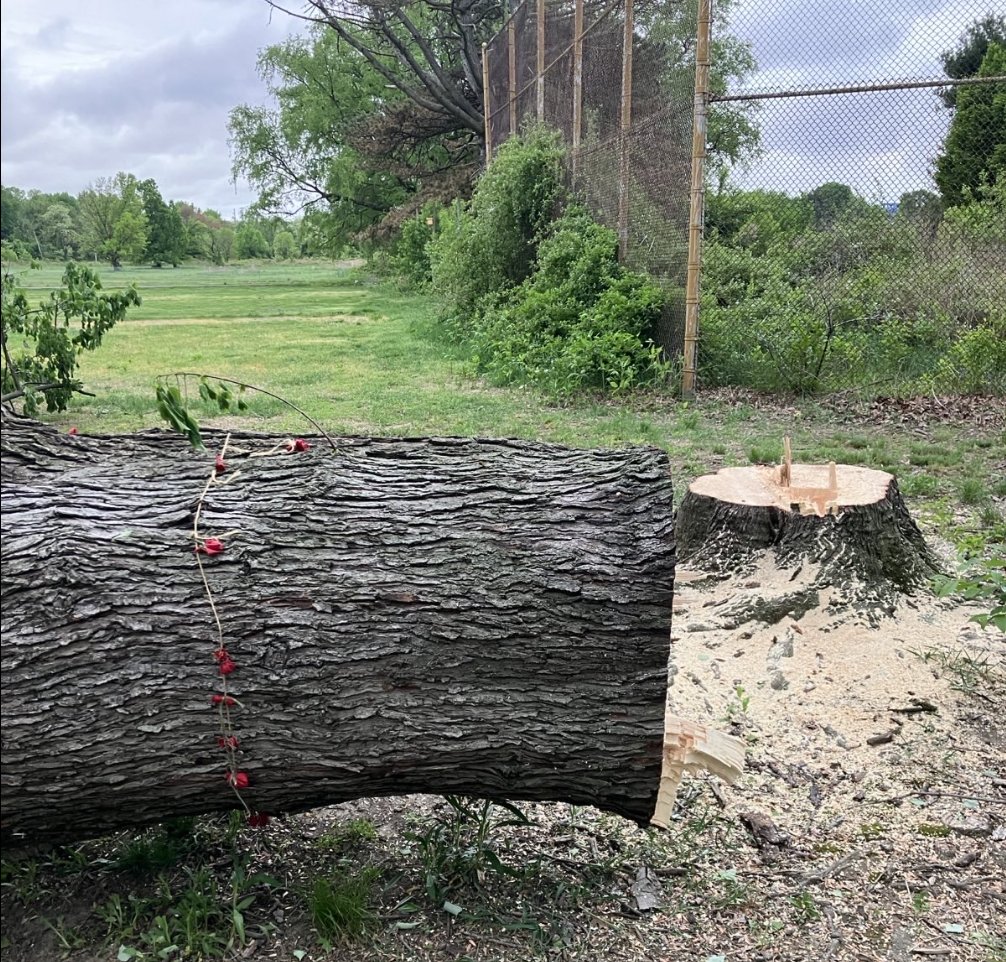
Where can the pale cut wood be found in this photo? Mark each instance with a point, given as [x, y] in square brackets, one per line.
[691, 747]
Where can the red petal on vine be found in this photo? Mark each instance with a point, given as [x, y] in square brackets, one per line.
[227, 666]
[210, 546]
[237, 779]
[230, 741]
[220, 655]
[72, 431]
[220, 465]
[258, 819]
[298, 444]
[223, 700]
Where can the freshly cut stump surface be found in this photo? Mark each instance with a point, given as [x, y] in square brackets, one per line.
[850, 522]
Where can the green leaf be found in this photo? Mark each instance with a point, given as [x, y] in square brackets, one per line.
[452, 908]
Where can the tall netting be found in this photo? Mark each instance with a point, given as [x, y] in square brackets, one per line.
[845, 114]
[627, 124]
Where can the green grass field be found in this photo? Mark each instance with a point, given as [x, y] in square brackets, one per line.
[364, 358]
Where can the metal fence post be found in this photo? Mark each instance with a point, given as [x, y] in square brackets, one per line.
[623, 134]
[696, 218]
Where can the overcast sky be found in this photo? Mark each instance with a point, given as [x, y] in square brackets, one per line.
[92, 87]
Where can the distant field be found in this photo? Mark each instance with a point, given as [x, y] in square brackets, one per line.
[363, 358]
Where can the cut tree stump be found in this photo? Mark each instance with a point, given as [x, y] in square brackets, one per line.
[406, 615]
[849, 522]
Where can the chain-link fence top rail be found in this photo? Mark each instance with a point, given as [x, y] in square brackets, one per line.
[838, 92]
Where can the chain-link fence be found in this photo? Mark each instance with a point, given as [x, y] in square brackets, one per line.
[616, 78]
[837, 119]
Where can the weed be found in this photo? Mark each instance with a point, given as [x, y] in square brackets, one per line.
[340, 905]
[805, 907]
[159, 848]
[972, 491]
[871, 830]
[917, 484]
[347, 834]
[920, 903]
[737, 708]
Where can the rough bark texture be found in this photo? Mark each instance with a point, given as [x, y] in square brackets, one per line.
[866, 553]
[431, 615]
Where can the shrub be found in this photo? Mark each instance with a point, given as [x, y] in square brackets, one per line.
[580, 320]
[490, 246]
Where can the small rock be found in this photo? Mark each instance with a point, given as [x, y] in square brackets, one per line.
[779, 682]
[974, 826]
[809, 687]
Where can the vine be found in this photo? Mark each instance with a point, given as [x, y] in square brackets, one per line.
[172, 407]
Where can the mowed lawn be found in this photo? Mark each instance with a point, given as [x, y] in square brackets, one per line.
[362, 357]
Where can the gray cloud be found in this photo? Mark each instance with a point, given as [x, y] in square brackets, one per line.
[137, 89]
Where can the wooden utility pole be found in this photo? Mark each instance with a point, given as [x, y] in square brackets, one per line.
[623, 136]
[541, 60]
[512, 80]
[487, 103]
[577, 80]
[696, 215]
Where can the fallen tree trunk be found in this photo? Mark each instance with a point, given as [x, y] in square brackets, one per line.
[435, 615]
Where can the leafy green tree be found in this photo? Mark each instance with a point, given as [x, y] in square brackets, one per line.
[284, 245]
[249, 241]
[965, 60]
[302, 156]
[41, 344]
[58, 232]
[11, 206]
[112, 214]
[975, 150]
[222, 244]
[165, 230]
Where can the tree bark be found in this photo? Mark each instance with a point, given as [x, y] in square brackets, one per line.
[406, 615]
[858, 536]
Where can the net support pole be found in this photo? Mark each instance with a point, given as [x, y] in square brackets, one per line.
[512, 78]
[540, 66]
[623, 134]
[696, 212]
[486, 103]
[577, 81]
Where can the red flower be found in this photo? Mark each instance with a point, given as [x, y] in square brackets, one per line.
[223, 700]
[220, 465]
[220, 654]
[227, 666]
[210, 546]
[227, 741]
[298, 444]
[72, 431]
[258, 820]
[237, 779]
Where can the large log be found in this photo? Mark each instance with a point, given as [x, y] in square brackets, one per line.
[406, 615]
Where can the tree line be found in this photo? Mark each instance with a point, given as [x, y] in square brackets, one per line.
[124, 219]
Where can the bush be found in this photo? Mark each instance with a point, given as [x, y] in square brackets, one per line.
[490, 247]
[857, 299]
[578, 321]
